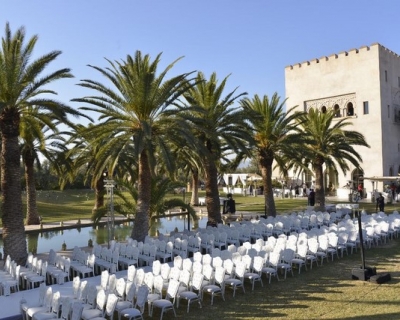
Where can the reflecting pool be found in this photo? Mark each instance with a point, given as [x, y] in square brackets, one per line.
[42, 242]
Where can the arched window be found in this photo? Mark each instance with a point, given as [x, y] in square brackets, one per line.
[350, 109]
[323, 109]
[336, 108]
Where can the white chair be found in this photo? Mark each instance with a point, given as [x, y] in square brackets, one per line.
[87, 270]
[131, 257]
[137, 311]
[166, 304]
[194, 294]
[322, 249]
[50, 314]
[77, 309]
[120, 289]
[147, 260]
[254, 276]
[222, 241]
[342, 243]
[11, 282]
[131, 273]
[112, 283]
[187, 264]
[45, 307]
[193, 245]
[333, 240]
[238, 280]
[38, 278]
[271, 266]
[112, 300]
[218, 288]
[91, 297]
[156, 267]
[130, 291]
[157, 293]
[178, 261]
[25, 306]
[101, 299]
[66, 304]
[300, 257]
[167, 255]
[287, 255]
[105, 275]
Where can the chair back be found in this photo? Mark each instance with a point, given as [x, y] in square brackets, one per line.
[55, 304]
[101, 299]
[141, 298]
[130, 291]
[65, 308]
[112, 300]
[48, 299]
[158, 284]
[172, 290]
[131, 273]
[77, 309]
[91, 295]
[197, 281]
[120, 288]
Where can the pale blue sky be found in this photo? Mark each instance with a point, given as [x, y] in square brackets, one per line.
[251, 40]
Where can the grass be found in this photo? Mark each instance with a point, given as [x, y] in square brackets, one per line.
[55, 206]
[325, 292]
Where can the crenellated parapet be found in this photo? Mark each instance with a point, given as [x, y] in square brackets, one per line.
[341, 55]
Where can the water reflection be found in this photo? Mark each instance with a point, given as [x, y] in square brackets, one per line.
[41, 242]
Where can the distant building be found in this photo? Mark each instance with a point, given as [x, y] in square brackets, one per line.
[364, 86]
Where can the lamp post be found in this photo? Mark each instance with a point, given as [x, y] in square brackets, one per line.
[109, 185]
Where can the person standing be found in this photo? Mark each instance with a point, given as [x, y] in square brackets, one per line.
[380, 203]
[360, 190]
[311, 198]
[229, 205]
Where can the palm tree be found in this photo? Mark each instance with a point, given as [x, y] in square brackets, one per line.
[329, 144]
[134, 114]
[189, 164]
[275, 137]
[82, 157]
[126, 203]
[35, 140]
[218, 127]
[21, 85]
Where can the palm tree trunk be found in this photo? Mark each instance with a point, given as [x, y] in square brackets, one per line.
[212, 193]
[141, 225]
[195, 188]
[32, 216]
[12, 216]
[319, 187]
[266, 173]
[99, 190]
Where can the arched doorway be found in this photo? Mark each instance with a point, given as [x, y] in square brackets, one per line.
[331, 181]
[357, 178]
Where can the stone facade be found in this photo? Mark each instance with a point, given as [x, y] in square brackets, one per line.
[361, 84]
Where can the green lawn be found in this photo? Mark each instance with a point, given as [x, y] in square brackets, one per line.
[55, 206]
